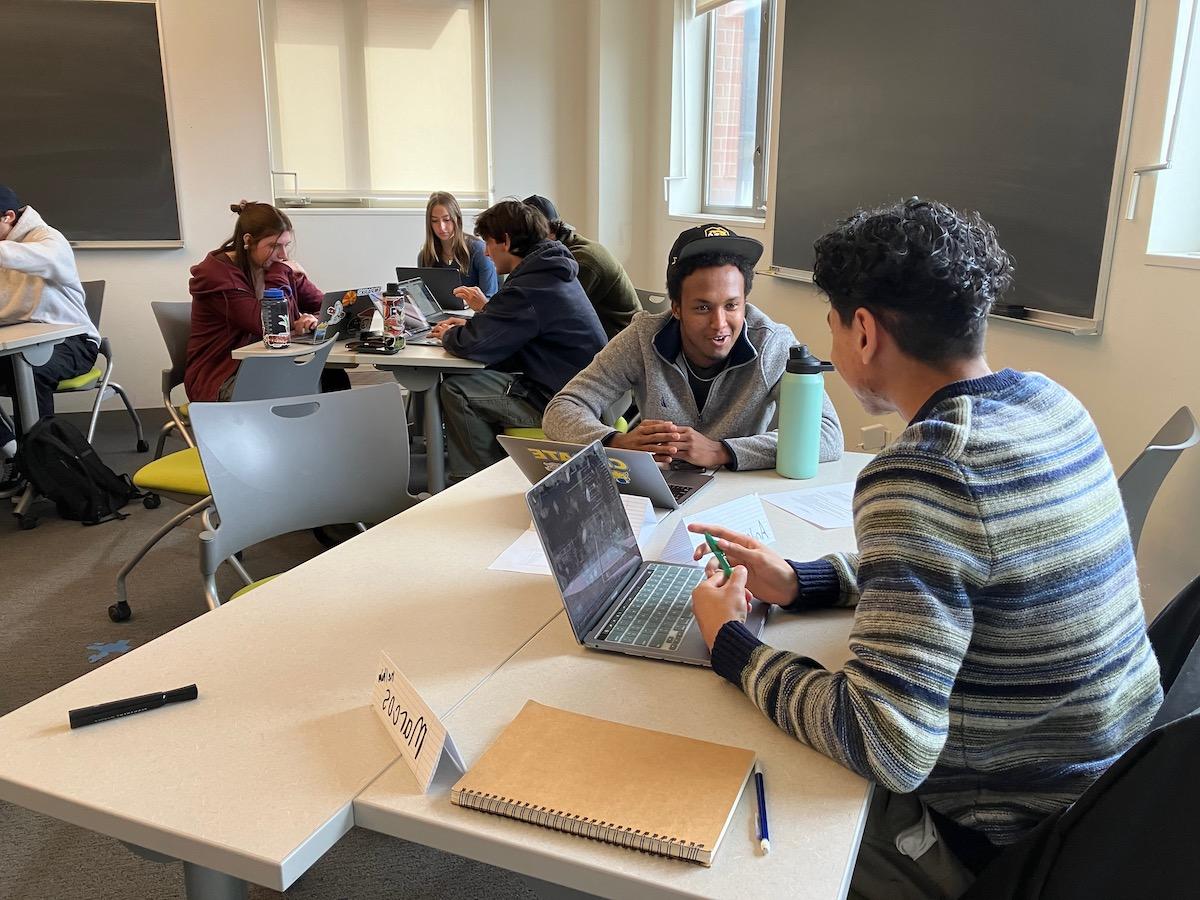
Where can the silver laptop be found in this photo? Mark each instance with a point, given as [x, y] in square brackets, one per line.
[634, 471]
[441, 281]
[614, 599]
[340, 314]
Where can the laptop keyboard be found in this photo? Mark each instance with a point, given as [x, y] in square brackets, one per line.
[679, 491]
[658, 613]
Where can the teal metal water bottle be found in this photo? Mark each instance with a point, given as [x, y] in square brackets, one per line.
[801, 398]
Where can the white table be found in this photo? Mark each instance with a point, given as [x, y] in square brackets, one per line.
[418, 368]
[254, 780]
[258, 777]
[817, 808]
[30, 344]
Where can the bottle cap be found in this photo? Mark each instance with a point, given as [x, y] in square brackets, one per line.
[393, 287]
[801, 362]
[272, 294]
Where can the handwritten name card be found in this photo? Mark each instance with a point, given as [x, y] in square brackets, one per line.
[418, 733]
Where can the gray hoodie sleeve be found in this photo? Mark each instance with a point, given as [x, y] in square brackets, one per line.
[574, 413]
[757, 451]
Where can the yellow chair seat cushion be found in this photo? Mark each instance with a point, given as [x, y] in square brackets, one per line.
[79, 382]
[179, 473]
[182, 409]
[251, 586]
[536, 434]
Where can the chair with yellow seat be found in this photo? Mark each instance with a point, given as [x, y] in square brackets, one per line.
[179, 476]
[99, 378]
[253, 468]
[174, 319]
[611, 417]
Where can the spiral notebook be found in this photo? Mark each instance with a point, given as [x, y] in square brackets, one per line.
[647, 790]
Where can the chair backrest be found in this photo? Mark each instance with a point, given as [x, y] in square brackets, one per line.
[272, 377]
[174, 319]
[654, 301]
[1145, 475]
[1127, 836]
[93, 299]
[275, 466]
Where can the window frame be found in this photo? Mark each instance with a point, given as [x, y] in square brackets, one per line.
[762, 126]
[355, 116]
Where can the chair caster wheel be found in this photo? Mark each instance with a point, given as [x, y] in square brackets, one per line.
[27, 522]
[142, 446]
[152, 501]
[120, 611]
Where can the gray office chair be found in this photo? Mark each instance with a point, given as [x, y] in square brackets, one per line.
[270, 377]
[100, 379]
[654, 301]
[174, 319]
[1145, 475]
[276, 466]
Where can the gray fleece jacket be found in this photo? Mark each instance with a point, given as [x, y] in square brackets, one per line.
[646, 358]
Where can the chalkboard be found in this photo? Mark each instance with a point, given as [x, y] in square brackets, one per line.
[1011, 109]
[84, 134]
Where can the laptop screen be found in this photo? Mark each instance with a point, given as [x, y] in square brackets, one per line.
[589, 543]
[421, 297]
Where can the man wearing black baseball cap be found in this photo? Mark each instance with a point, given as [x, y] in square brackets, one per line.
[601, 274]
[38, 283]
[704, 375]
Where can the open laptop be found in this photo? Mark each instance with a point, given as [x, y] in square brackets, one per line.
[340, 314]
[421, 312]
[441, 282]
[634, 471]
[614, 599]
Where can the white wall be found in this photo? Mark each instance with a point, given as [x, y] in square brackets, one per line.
[1131, 378]
[539, 60]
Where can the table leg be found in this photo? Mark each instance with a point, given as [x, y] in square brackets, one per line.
[435, 451]
[209, 884]
[26, 402]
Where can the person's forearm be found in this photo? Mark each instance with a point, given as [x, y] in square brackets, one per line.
[44, 259]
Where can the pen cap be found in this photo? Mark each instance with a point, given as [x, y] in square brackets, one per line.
[184, 693]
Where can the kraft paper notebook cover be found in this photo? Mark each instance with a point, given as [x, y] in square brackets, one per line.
[638, 788]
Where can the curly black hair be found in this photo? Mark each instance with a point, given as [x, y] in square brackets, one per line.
[523, 225]
[686, 266]
[927, 271]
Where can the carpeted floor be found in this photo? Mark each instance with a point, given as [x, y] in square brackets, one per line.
[57, 583]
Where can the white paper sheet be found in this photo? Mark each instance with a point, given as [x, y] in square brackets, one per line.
[526, 555]
[828, 506]
[745, 515]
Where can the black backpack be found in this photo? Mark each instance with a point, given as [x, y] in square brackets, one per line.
[65, 468]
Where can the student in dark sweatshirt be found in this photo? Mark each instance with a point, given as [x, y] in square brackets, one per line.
[534, 334]
[227, 288]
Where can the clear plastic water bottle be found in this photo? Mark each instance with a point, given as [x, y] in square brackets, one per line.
[801, 399]
[276, 319]
[393, 310]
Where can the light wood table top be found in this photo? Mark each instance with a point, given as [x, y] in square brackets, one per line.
[817, 808]
[255, 778]
[412, 355]
[26, 334]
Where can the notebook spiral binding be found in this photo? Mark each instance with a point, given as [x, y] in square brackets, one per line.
[662, 845]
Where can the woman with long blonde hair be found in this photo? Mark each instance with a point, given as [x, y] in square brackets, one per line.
[447, 245]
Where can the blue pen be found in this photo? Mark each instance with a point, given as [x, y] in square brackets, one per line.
[764, 838]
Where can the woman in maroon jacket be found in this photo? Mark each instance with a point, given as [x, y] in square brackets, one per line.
[227, 288]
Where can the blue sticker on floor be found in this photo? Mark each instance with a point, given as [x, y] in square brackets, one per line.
[103, 651]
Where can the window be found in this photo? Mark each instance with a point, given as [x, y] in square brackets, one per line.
[1175, 222]
[352, 86]
[738, 106]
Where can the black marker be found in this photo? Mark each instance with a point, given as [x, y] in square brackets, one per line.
[90, 715]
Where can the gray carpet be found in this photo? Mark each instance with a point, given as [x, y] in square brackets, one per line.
[57, 584]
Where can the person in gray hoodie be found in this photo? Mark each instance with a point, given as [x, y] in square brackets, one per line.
[534, 335]
[705, 375]
[38, 283]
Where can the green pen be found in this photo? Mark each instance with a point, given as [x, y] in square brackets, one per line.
[712, 545]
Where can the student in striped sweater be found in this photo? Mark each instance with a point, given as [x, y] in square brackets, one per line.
[1000, 655]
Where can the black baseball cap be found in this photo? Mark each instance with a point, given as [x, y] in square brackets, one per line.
[713, 238]
[9, 200]
[542, 205]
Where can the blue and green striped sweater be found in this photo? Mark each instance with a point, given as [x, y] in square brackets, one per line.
[1000, 653]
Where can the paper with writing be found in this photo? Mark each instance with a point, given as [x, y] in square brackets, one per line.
[828, 506]
[418, 733]
[745, 515]
[526, 555]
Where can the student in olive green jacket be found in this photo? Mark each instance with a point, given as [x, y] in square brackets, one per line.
[603, 278]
